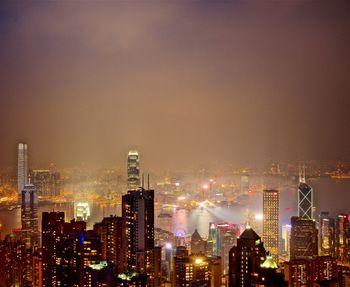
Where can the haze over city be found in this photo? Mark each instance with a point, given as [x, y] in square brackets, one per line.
[186, 83]
[175, 143]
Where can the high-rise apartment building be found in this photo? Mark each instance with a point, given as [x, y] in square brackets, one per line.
[133, 170]
[271, 222]
[110, 234]
[319, 271]
[68, 251]
[52, 236]
[22, 166]
[196, 270]
[245, 259]
[13, 268]
[304, 239]
[138, 230]
[29, 216]
[305, 197]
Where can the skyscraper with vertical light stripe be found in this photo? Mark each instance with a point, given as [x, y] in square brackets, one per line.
[22, 167]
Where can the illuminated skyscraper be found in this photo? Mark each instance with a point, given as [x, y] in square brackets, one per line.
[327, 235]
[286, 231]
[303, 240]
[52, 236]
[245, 259]
[22, 166]
[81, 211]
[305, 197]
[110, 234]
[133, 170]
[343, 238]
[244, 184]
[138, 230]
[270, 222]
[29, 214]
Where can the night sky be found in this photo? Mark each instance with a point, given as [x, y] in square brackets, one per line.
[185, 82]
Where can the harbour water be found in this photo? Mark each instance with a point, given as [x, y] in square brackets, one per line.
[328, 194]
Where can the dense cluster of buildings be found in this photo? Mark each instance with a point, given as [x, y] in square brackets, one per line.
[129, 250]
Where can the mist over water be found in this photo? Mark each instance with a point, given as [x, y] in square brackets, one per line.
[329, 195]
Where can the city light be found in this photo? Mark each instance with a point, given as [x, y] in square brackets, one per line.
[198, 261]
[191, 143]
[259, 217]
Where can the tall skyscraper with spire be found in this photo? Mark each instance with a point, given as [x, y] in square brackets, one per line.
[22, 167]
[133, 170]
[305, 197]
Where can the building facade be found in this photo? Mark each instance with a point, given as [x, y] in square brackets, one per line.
[271, 222]
[304, 239]
[133, 171]
[343, 238]
[29, 216]
[22, 166]
[326, 235]
[245, 259]
[110, 234]
[138, 231]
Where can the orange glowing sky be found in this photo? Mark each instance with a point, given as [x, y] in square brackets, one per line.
[182, 81]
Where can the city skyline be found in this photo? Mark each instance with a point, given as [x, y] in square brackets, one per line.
[238, 81]
[175, 143]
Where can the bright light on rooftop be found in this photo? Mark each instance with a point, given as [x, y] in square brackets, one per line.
[198, 261]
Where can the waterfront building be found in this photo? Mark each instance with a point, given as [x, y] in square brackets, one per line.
[22, 166]
[305, 197]
[133, 171]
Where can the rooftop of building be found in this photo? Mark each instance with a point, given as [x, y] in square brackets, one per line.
[250, 234]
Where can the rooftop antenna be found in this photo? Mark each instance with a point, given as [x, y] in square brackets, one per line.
[148, 182]
[302, 174]
[143, 181]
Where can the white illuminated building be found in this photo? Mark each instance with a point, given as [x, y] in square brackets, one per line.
[22, 166]
[81, 211]
[133, 170]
